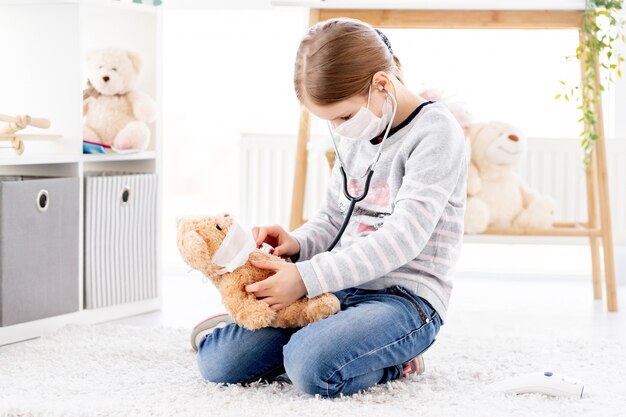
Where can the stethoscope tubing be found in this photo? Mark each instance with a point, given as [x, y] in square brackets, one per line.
[353, 201]
[370, 172]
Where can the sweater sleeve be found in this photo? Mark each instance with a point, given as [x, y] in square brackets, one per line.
[315, 235]
[432, 171]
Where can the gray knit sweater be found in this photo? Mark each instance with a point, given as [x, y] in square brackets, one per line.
[408, 231]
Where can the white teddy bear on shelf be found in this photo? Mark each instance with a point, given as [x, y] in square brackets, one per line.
[497, 195]
[115, 113]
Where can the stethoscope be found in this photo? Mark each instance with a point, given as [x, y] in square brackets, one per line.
[369, 172]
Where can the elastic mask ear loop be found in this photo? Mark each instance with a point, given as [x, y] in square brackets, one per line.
[386, 135]
[332, 137]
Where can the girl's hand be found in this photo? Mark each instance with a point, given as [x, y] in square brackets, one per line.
[283, 243]
[281, 289]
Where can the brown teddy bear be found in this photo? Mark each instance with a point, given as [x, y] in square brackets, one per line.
[200, 242]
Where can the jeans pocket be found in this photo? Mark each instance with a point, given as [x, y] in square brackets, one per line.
[397, 290]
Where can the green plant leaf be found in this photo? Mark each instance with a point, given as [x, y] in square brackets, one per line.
[600, 32]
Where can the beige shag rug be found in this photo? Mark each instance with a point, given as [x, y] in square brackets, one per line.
[123, 370]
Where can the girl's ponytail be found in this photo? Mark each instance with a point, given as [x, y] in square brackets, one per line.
[400, 73]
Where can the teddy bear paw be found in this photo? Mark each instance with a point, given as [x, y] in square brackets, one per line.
[134, 136]
[255, 316]
[539, 214]
[257, 321]
[326, 305]
[476, 216]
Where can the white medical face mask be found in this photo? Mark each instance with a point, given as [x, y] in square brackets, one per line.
[235, 249]
[365, 124]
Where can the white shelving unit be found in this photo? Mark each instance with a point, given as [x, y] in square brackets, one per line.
[43, 74]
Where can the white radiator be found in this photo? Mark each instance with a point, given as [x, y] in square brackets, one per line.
[267, 172]
[552, 166]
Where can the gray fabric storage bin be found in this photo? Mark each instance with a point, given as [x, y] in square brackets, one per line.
[39, 274]
[120, 238]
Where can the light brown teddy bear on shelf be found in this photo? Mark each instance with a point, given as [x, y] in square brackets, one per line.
[221, 249]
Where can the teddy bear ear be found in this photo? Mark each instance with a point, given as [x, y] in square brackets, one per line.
[194, 251]
[474, 129]
[135, 58]
[91, 53]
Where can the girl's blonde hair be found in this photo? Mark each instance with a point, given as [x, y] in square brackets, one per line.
[337, 59]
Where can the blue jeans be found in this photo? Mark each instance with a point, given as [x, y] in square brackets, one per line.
[362, 345]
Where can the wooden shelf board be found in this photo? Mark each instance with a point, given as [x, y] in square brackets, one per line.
[69, 159]
[37, 159]
[106, 157]
[570, 229]
[441, 4]
[462, 19]
[146, 8]
[30, 136]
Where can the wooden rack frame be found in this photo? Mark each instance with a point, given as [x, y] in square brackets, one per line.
[598, 226]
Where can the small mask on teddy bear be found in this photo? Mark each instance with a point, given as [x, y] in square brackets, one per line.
[221, 249]
[115, 113]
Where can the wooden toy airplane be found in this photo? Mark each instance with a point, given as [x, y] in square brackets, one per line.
[9, 126]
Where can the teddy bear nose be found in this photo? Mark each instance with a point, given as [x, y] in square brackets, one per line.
[513, 138]
[106, 78]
